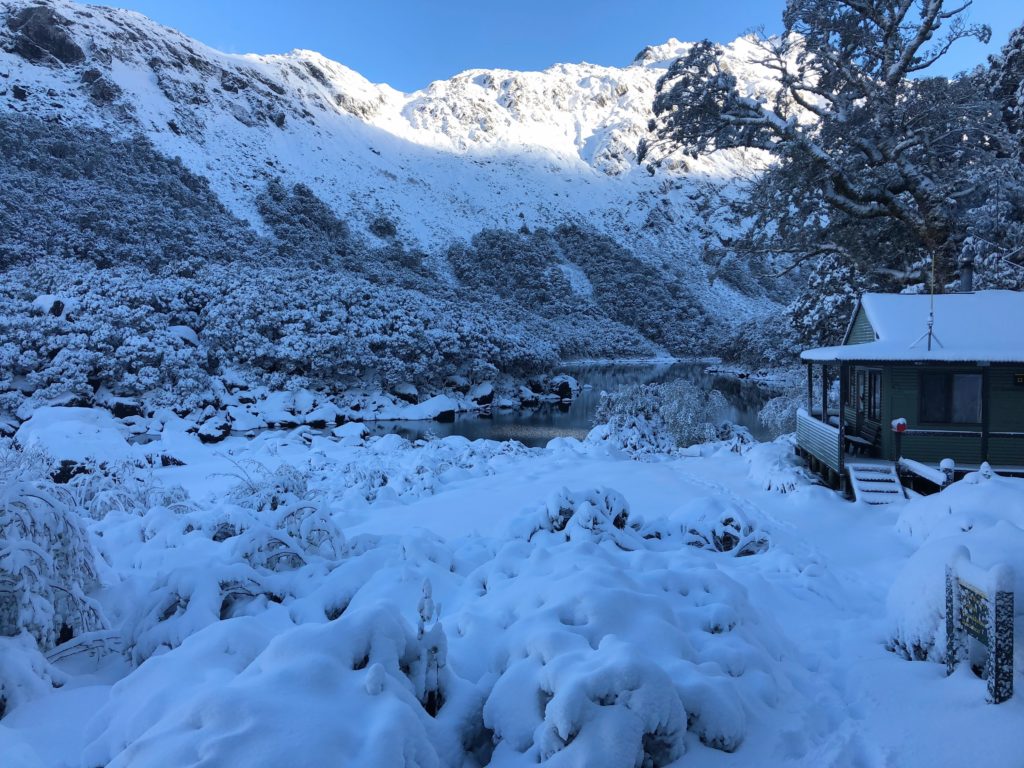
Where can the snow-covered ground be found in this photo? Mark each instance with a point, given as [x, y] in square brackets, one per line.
[457, 603]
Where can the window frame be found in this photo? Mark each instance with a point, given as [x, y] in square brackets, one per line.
[949, 378]
[873, 407]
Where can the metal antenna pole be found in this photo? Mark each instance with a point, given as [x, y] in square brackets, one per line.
[931, 308]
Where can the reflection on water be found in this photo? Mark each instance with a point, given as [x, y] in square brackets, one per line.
[536, 426]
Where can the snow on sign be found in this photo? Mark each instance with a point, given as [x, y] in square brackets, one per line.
[979, 604]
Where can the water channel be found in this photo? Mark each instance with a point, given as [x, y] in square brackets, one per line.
[536, 426]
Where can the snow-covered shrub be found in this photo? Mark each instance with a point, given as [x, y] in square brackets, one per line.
[606, 705]
[180, 602]
[597, 515]
[721, 526]
[398, 472]
[118, 334]
[587, 638]
[775, 466]
[984, 513]
[286, 537]
[20, 463]
[261, 489]
[778, 415]
[245, 689]
[594, 665]
[658, 418]
[24, 672]
[47, 563]
[123, 487]
[734, 438]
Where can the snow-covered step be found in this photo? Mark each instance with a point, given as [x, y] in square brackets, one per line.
[876, 484]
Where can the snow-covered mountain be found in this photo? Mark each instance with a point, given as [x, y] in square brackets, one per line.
[487, 148]
[488, 225]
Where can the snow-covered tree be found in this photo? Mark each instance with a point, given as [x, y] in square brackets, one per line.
[1006, 80]
[873, 139]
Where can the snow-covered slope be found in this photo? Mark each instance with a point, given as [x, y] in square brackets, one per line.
[487, 148]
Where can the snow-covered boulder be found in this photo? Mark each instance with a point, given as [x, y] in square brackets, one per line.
[482, 394]
[439, 407]
[406, 391]
[77, 434]
[351, 433]
[564, 385]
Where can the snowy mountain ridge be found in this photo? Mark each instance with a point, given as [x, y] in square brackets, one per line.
[484, 148]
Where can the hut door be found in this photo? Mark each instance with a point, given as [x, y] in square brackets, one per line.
[861, 399]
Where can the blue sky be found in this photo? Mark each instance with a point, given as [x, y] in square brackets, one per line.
[408, 43]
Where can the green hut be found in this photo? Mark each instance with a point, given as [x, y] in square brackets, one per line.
[921, 379]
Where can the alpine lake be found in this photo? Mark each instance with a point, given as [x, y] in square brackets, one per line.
[535, 426]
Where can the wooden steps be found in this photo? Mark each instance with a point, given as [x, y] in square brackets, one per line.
[876, 484]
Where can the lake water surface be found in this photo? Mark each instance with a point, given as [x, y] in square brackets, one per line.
[536, 426]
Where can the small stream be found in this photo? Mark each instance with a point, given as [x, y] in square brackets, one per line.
[536, 426]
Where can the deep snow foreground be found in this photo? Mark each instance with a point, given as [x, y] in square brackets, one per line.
[304, 599]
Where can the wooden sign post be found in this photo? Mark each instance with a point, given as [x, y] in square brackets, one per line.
[979, 604]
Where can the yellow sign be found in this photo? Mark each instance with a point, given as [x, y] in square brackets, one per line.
[974, 612]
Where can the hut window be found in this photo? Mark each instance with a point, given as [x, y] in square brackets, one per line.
[951, 398]
[875, 395]
[966, 405]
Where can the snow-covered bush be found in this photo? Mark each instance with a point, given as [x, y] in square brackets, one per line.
[24, 672]
[286, 537]
[349, 686]
[179, 603]
[775, 466]
[597, 515]
[606, 704]
[721, 526]
[400, 473]
[658, 418]
[570, 613]
[617, 672]
[261, 489]
[47, 563]
[121, 486]
[778, 415]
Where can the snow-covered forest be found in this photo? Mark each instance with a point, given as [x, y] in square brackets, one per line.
[219, 273]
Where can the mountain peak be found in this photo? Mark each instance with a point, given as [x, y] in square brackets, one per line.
[485, 148]
[661, 56]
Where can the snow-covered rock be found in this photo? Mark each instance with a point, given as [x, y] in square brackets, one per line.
[77, 434]
[437, 407]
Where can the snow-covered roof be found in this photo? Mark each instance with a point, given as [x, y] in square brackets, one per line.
[984, 326]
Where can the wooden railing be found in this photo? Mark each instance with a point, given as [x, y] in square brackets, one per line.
[818, 439]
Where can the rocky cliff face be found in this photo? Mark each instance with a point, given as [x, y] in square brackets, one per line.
[487, 148]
